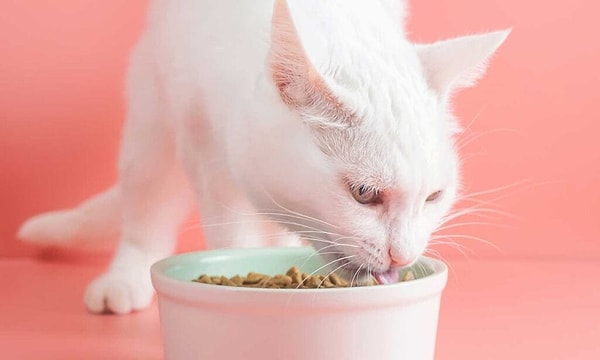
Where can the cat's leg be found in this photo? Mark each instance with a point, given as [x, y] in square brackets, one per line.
[155, 199]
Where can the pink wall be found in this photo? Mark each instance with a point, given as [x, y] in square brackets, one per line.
[61, 110]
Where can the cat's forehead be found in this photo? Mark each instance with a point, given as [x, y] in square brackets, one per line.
[403, 131]
[396, 144]
[387, 89]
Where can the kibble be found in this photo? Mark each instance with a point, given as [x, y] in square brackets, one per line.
[292, 279]
[408, 276]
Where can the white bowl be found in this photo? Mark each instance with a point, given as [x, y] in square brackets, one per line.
[200, 321]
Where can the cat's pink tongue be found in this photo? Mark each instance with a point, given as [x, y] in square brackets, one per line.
[388, 277]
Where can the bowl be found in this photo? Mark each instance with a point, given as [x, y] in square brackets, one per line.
[202, 321]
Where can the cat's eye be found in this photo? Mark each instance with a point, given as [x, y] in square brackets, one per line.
[364, 194]
[434, 196]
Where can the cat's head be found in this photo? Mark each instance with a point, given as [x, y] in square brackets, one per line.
[379, 169]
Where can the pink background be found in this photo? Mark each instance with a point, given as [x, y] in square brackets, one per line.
[534, 117]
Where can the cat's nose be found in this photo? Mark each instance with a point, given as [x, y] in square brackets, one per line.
[398, 260]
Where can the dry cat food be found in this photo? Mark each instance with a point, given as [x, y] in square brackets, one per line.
[293, 279]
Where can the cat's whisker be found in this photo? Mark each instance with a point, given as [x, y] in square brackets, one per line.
[475, 118]
[496, 189]
[324, 266]
[478, 202]
[422, 267]
[315, 231]
[297, 213]
[449, 242]
[475, 136]
[450, 226]
[333, 271]
[282, 222]
[456, 246]
[479, 212]
[319, 252]
[470, 237]
[437, 254]
[205, 225]
[277, 214]
[318, 232]
[323, 253]
[356, 273]
[316, 239]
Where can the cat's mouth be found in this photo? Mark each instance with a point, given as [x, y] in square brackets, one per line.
[356, 274]
[387, 277]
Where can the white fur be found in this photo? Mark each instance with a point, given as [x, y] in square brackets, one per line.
[358, 104]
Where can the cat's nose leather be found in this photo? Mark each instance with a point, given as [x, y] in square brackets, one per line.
[397, 261]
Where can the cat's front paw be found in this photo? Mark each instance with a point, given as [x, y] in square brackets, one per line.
[119, 293]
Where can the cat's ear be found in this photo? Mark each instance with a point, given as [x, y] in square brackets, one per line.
[458, 63]
[299, 84]
[290, 68]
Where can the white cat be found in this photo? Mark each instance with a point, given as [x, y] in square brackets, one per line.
[316, 115]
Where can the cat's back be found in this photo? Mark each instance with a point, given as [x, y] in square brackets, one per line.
[209, 41]
[219, 49]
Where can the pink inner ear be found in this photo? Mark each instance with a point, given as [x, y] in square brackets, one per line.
[296, 79]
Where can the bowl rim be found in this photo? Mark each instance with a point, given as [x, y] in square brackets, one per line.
[198, 293]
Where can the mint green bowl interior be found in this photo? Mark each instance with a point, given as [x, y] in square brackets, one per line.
[271, 261]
